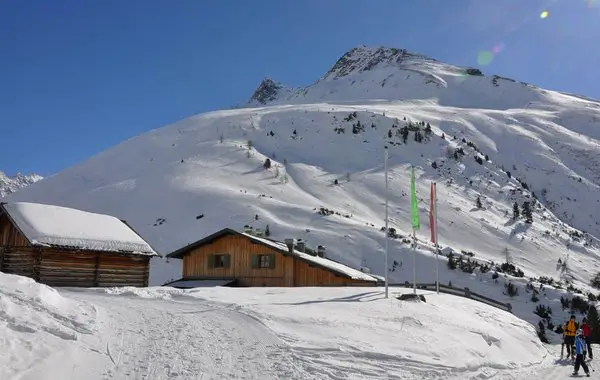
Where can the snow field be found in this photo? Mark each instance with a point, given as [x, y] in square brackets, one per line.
[261, 333]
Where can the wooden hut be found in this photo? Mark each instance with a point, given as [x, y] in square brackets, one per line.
[60, 246]
[243, 259]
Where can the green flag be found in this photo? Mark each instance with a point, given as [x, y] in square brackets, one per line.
[413, 202]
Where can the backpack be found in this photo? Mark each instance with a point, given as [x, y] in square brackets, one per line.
[571, 328]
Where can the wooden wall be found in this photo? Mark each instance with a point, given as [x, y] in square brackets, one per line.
[9, 235]
[241, 250]
[286, 272]
[79, 269]
[55, 267]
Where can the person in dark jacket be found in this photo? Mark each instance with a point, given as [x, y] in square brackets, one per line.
[587, 330]
[580, 351]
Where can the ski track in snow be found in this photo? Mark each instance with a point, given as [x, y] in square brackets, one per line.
[194, 341]
[177, 339]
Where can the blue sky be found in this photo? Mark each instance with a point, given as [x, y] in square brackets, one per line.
[79, 76]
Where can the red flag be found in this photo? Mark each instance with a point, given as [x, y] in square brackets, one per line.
[432, 213]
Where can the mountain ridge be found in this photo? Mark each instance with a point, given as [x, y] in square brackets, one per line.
[363, 58]
[182, 182]
[9, 185]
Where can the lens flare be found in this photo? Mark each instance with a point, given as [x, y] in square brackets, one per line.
[484, 58]
[544, 14]
[498, 48]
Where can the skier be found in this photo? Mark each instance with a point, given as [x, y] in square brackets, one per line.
[580, 349]
[570, 330]
[586, 334]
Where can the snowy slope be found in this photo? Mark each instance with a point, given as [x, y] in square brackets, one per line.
[182, 182]
[9, 185]
[217, 333]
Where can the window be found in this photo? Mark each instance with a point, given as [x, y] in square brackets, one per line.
[218, 261]
[263, 261]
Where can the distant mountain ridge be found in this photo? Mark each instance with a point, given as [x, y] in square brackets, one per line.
[9, 185]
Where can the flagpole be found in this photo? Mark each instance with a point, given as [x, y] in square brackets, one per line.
[386, 222]
[415, 224]
[437, 250]
[414, 247]
[415, 262]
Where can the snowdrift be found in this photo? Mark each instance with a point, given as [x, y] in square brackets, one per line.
[36, 322]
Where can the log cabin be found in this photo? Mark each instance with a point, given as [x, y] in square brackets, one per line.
[229, 257]
[60, 246]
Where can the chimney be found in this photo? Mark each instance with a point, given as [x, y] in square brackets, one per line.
[321, 251]
[290, 245]
[301, 245]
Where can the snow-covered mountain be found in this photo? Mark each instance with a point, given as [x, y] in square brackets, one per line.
[9, 185]
[490, 138]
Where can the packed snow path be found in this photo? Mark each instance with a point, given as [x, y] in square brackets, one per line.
[139, 338]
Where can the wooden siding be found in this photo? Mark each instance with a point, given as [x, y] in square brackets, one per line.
[286, 271]
[10, 235]
[116, 270]
[79, 269]
[241, 251]
[56, 267]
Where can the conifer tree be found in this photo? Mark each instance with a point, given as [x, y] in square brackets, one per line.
[404, 132]
[594, 321]
[478, 202]
[428, 131]
[267, 164]
[527, 213]
[516, 211]
[596, 281]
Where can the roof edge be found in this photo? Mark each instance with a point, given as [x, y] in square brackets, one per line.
[179, 253]
[141, 237]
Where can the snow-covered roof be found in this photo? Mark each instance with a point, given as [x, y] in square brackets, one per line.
[334, 266]
[55, 226]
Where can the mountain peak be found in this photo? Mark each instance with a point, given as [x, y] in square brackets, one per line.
[266, 91]
[365, 58]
